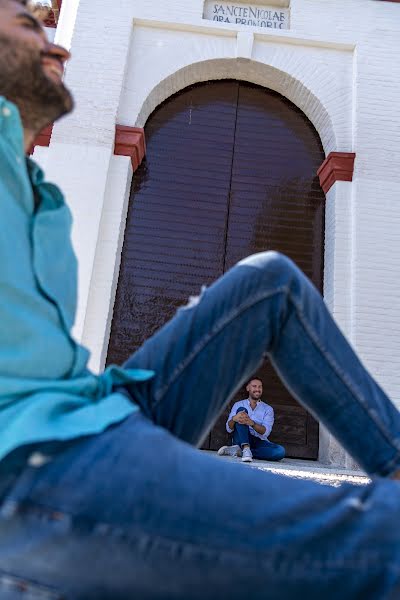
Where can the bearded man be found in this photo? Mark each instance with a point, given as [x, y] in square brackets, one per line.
[102, 495]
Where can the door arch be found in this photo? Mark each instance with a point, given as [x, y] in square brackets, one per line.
[230, 170]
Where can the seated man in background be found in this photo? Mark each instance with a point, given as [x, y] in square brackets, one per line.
[251, 422]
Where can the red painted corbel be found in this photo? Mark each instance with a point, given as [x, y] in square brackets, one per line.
[53, 14]
[43, 139]
[338, 166]
[130, 141]
[51, 20]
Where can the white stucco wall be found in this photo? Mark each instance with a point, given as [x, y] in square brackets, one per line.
[337, 63]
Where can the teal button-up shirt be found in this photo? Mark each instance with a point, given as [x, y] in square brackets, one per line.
[46, 391]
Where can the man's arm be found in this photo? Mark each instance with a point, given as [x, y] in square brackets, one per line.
[265, 427]
[236, 417]
[244, 419]
[259, 428]
[230, 423]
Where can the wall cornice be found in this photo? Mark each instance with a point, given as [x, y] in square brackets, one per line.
[228, 30]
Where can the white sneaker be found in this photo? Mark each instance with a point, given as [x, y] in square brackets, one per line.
[247, 455]
[229, 451]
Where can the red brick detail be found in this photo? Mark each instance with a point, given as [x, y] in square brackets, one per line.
[51, 20]
[53, 13]
[338, 166]
[43, 139]
[130, 141]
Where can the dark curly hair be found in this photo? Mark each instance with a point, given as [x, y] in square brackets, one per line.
[252, 379]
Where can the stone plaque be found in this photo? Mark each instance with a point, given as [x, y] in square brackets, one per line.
[253, 15]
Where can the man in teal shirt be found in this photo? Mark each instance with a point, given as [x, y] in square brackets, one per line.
[101, 494]
[46, 390]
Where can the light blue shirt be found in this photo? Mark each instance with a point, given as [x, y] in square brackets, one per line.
[46, 391]
[263, 414]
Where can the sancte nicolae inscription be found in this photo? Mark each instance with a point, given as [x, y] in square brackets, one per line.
[253, 15]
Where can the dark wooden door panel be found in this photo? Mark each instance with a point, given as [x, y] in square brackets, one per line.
[176, 226]
[230, 170]
[276, 203]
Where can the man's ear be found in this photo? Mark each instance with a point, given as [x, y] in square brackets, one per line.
[247, 388]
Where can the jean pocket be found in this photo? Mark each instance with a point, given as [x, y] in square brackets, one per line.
[13, 587]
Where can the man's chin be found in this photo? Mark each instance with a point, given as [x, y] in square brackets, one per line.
[65, 96]
[62, 103]
[53, 93]
[39, 115]
[69, 103]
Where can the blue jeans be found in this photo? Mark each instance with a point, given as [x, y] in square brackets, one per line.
[261, 449]
[137, 512]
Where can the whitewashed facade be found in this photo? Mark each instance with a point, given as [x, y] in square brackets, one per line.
[337, 60]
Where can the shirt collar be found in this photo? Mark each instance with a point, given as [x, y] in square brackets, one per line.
[36, 174]
[258, 401]
[11, 126]
[48, 196]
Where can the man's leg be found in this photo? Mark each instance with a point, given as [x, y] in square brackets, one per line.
[241, 433]
[265, 306]
[136, 513]
[241, 438]
[260, 449]
[266, 450]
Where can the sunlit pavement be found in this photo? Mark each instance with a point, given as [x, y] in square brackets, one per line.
[303, 469]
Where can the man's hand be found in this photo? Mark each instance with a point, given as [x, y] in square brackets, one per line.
[243, 418]
[249, 421]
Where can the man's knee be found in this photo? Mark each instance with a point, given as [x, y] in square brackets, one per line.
[274, 261]
[274, 268]
[239, 410]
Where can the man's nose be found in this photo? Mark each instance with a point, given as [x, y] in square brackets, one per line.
[58, 52]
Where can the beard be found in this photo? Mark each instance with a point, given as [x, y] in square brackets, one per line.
[23, 81]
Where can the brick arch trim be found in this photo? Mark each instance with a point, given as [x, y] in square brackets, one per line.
[254, 72]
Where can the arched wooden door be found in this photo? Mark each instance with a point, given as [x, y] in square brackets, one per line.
[230, 170]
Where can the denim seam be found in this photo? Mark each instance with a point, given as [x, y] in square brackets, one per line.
[218, 327]
[394, 462]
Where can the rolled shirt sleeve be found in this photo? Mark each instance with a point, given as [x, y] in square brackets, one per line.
[267, 421]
